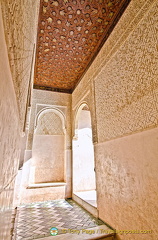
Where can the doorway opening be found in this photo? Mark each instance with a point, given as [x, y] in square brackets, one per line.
[84, 179]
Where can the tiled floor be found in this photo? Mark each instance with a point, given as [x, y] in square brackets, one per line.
[34, 221]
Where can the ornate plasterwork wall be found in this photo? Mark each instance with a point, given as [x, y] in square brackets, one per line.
[9, 129]
[20, 25]
[17, 35]
[9, 138]
[126, 88]
[97, 83]
[123, 83]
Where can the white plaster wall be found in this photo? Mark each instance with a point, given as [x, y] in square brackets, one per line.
[48, 155]
[128, 183]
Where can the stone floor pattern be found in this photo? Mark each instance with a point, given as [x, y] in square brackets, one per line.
[35, 220]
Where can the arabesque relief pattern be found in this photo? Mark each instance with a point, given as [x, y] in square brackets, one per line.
[127, 87]
[20, 27]
[127, 23]
[49, 124]
[124, 27]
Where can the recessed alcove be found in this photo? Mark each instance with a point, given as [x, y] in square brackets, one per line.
[48, 152]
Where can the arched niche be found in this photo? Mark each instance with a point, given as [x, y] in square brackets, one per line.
[48, 152]
[45, 111]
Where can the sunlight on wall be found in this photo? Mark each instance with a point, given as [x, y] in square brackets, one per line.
[83, 155]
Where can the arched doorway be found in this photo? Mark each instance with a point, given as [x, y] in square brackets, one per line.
[84, 179]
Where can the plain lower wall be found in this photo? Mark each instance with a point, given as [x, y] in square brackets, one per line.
[127, 183]
[48, 156]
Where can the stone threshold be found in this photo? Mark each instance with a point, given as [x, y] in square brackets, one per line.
[44, 185]
[86, 205]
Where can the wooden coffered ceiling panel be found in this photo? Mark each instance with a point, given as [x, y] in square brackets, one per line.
[70, 34]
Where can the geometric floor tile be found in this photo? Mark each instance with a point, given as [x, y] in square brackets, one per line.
[34, 221]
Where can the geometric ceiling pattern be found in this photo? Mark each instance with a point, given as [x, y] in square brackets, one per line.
[70, 34]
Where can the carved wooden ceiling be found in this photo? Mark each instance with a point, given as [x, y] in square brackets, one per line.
[70, 34]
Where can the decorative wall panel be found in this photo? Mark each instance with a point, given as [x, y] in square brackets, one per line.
[127, 88]
[49, 124]
[20, 26]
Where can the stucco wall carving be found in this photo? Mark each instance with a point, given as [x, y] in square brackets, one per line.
[126, 88]
[126, 25]
[20, 26]
[9, 138]
[128, 22]
[124, 77]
